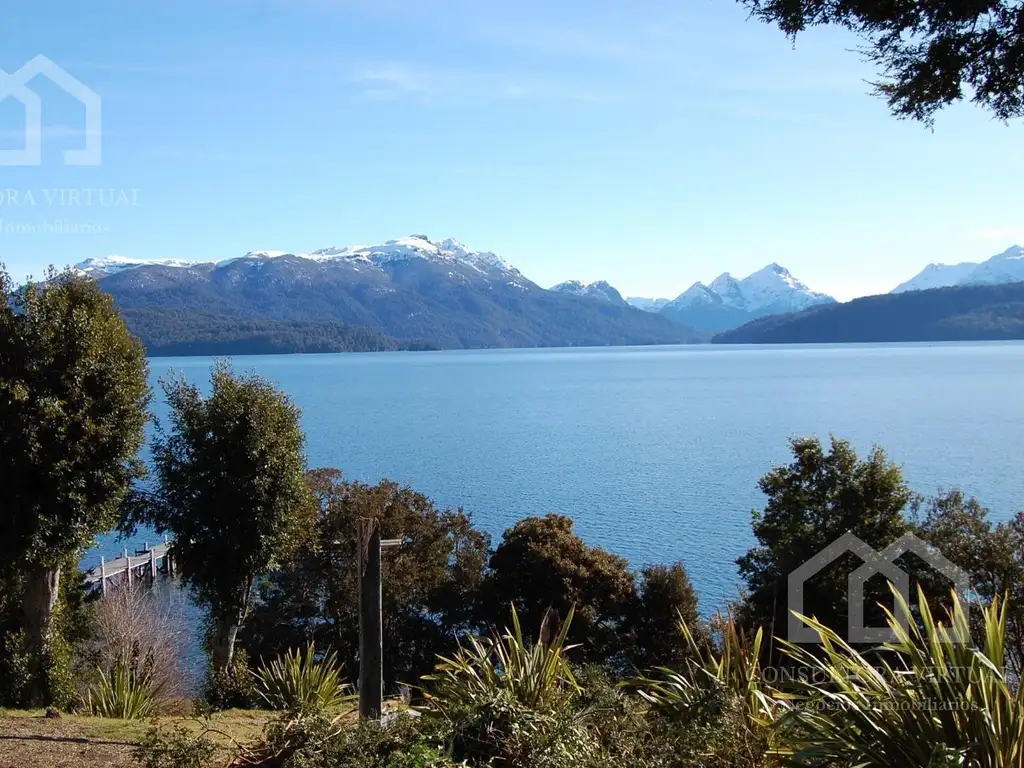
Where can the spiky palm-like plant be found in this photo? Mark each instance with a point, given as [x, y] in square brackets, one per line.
[509, 702]
[534, 675]
[931, 698]
[123, 693]
[300, 682]
[734, 668]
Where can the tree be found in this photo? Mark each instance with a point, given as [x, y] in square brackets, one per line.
[665, 598]
[811, 502]
[73, 397]
[541, 563]
[232, 490]
[993, 555]
[931, 53]
[429, 584]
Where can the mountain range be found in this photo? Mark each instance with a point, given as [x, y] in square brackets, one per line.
[1006, 267]
[415, 293]
[726, 303]
[412, 290]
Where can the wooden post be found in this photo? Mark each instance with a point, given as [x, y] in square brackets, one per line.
[128, 569]
[152, 565]
[103, 576]
[371, 638]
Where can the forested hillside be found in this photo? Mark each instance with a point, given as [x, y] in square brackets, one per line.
[967, 313]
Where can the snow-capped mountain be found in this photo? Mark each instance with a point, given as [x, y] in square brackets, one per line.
[774, 289]
[729, 302]
[936, 276]
[418, 247]
[1006, 267]
[413, 289]
[109, 265]
[447, 251]
[727, 288]
[600, 290]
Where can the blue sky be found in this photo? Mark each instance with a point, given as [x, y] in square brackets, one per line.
[650, 144]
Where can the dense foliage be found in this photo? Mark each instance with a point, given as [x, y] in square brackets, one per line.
[932, 697]
[429, 587]
[930, 52]
[231, 488]
[962, 313]
[73, 398]
[812, 501]
[541, 564]
[992, 553]
[169, 332]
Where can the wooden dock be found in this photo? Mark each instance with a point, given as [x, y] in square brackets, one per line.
[144, 564]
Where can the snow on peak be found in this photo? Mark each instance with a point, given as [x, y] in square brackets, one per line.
[937, 276]
[412, 247]
[599, 289]
[770, 288]
[266, 254]
[699, 293]
[109, 265]
[419, 247]
[1005, 267]
[728, 289]
[774, 286]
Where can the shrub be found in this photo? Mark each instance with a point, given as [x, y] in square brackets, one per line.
[137, 629]
[232, 687]
[506, 701]
[122, 692]
[536, 676]
[921, 700]
[299, 682]
[178, 748]
[715, 709]
[317, 741]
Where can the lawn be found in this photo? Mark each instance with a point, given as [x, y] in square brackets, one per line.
[29, 739]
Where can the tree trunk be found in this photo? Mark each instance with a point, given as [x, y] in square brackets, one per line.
[41, 591]
[223, 650]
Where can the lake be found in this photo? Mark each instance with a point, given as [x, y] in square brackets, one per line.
[655, 451]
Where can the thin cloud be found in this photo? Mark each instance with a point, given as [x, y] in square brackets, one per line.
[432, 86]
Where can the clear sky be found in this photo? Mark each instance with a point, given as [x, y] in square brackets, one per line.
[649, 143]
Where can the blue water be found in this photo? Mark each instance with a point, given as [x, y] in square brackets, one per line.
[655, 452]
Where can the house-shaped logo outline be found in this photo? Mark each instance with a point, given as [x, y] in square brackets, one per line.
[797, 631]
[908, 542]
[16, 85]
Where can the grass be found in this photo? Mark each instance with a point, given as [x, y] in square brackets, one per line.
[29, 738]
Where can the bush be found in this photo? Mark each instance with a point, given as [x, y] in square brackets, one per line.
[15, 670]
[511, 703]
[321, 742]
[232, 687]
[178, 748]
[122, 692]
[135, 629]
[921, 700]
[298, 682]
